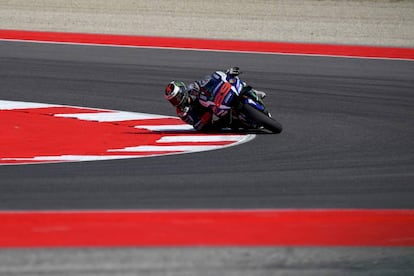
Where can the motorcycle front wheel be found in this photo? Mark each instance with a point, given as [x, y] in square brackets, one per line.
[262, 119]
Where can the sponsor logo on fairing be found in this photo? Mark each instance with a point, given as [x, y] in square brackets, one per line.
[47, 133]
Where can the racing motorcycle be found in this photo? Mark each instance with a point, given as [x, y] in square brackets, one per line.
[248, 112]
[231, 103]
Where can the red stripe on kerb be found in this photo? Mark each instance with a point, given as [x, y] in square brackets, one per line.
[212, 44]
[208, 228]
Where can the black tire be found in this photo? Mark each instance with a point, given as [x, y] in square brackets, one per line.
[262, 119]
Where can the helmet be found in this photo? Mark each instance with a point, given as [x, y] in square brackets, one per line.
[176, 93]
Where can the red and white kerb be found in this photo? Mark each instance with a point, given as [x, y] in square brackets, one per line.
[47, 133]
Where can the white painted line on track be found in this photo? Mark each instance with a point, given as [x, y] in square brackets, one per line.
[320, 55]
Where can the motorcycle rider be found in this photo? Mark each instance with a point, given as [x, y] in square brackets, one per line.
[205, 104]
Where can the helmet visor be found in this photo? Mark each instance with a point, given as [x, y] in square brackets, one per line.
[177, 99]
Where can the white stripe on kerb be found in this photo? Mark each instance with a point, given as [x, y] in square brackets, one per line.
[8, 105]
[194, 138]
[113, 116]
[168, 127]
[164, 148]
[71, 158]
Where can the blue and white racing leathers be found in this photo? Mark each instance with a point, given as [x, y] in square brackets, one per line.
[211, 99]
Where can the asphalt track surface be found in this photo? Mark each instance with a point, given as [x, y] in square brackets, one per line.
[347, 143]
[347, 139]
